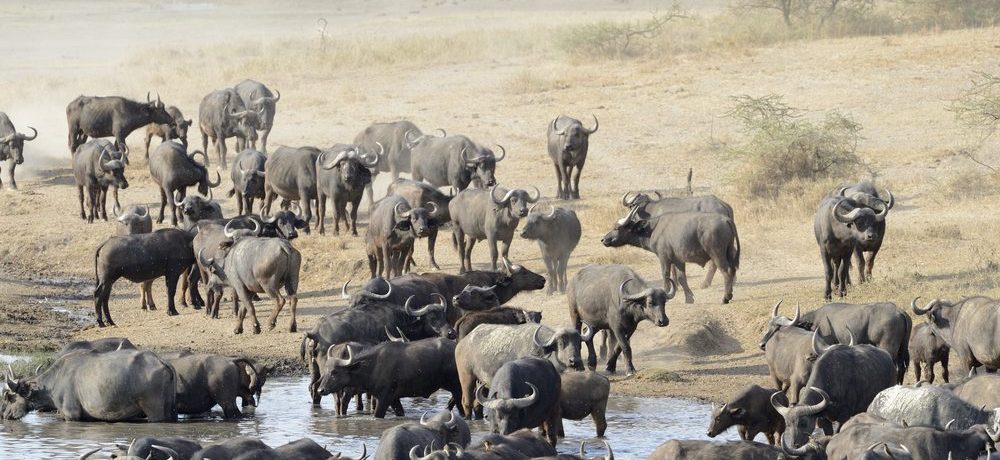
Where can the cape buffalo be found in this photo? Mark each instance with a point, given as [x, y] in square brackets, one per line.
[98, 165]
[789, 352]
[135, 220]
[100, 345]
[730, 450]
[259, 98]
[396, 138]
[221, 115]
[12, 146]
[205, 380]
[111, 116]
[253, 264]
[159, 448]
[499, 315]
[928, 405]
[489, 346]
[598, 298]
[139, 258]
[968, 327]
[648, 207]
[399, 441]
[174, 170]
[169, 131]
[248, 179]
[923, 443]
[524, 393]
[844, 380]
[290, 173]
[482, 215]
[419, 194]
[194, 208]
[89, 385]
[569, 141]
[752, 413]
[522, 443]
[454, 161]
[391, 230]
[865, 194]
[582, 394]
[679, 238]
[230, 449]
[557, 233]
[342, 178]
[927, 349]
[392, 370]
[980, 390]
[881, 324]
[841, 225]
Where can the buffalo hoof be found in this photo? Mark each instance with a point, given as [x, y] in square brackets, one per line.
[688, 299]
[100, 323]
[238, 331]
[83, 216]
[576, 195]
[293, 328]
[256, 328]
[270, 325]
[151, 307]
[172, 313]
[112, 323]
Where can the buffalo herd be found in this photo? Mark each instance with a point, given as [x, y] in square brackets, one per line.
[836, 372]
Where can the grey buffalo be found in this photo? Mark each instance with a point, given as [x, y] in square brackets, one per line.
[968, 327]
[881, 324]
[585, 393]
[681, 238]
[206, 380]
[248, 179]
[841, 225]
[923, 443]
[133, 221]
[928, 405]
[230, 449]
[498, 315]
[885, 451]
[865, 194]
[730, 450]
[88, 385]
[290, 173]
[927, 349]
[159, 448]
[487, 215]
[454, 161]
[174, 170]
[524, 393]
[646, 207]
[341, 175]
[100, 345]
[789, 352]
[517, 445]
[250, 264]
[12, 146]
[260, 99]
[569, 141]
[444, 428]
[98, 165]
[557, 233]
[177, 129]
[393, 227]
[751, 412]
[395, 140]
[393, 370]
[221, 115]
[419, 194]
[111, 116]
[194, 208]
[140, 258]
[615, 298]
[844, 380]
[489, 346]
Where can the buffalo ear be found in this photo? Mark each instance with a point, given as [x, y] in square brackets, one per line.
[299, 223]
[738, 411]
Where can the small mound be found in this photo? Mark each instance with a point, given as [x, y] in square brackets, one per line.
[701, 338]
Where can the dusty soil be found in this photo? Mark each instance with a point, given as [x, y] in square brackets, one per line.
[658, 118]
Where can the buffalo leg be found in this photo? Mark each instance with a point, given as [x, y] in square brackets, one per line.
[149, 138]
[859, 258]
[387, 262]
[550, 268]
[843, 268]
[91, 203]
[193, 279]
[491, 243]
[710, 275]
[263, 139]
[279, 303]
[10, 169]
[306, 206]
[354, 217]
[458, 238]
[682, 280]
[83, 213]
[163, 205]
[567, 176]
[828, 274]
[730, 278]
[917, 368]
[624, 343]
[470, 244]
[505, 251]
[101, 295]
[321, 214]
[171, 279]
[559, 181]
[145, 290]
[431, 239]
[599, 414]
[220, 148]
[576, 179]
[944, 368]
[102, 198]
[869, 263]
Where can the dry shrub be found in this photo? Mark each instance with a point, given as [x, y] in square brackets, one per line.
[785, 150]
[617, 39]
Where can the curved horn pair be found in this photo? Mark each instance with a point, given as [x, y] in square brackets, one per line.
[230, 233]
[441, 305]
[340, 157]
[610, 456]
[366, 293]
[546, 344]
[337, 361]
[847, 218]
[17, 135]
[371, 159]
[637, 296]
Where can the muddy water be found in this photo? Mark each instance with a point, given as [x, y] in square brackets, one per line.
[635, 426]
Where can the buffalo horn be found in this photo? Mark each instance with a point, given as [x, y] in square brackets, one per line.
[148, 100]
[204, 261]
[89, 453]
[343, 291]
[364, 451]
[503, 153]
[24, 137]
[593, 130]
[673, 289]
[401, 338]
[373, 295]
[494, 197]
[816, 346]
[337, 361]
[298, 209]
[774, 312]
[400, 215]
[850, 334]
[373, 161]
[586, 331]
[792, 451]
[443, 133]
[538, 194]
[526, 401]
[845, 218]
[637, 296]
[226, 231]
[778, 405]
[482, 400]
[888, 204]
[626, 201]
[413, 453]
[218, 180]
[10, 372]
[816, 408]
[947, 426]
[925, 310]
[116, 210]
[880, 216]
[423, 418]
[340, 157]
[842, 191]
[552, 126]
[177, 202]
[171, 454]
[534, 338]
[552, 212]
[145, 210]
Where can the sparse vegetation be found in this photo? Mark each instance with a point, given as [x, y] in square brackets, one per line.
[617, 39]
[529, 82]
[783, 147]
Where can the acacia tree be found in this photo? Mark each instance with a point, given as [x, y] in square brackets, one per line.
[978, 109]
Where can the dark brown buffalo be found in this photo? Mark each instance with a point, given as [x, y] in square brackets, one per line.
[111, 116]
[169, 131]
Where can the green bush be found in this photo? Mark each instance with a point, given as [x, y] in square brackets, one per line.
[783, 148]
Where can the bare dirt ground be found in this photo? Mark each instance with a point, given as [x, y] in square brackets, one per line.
[658, 118]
